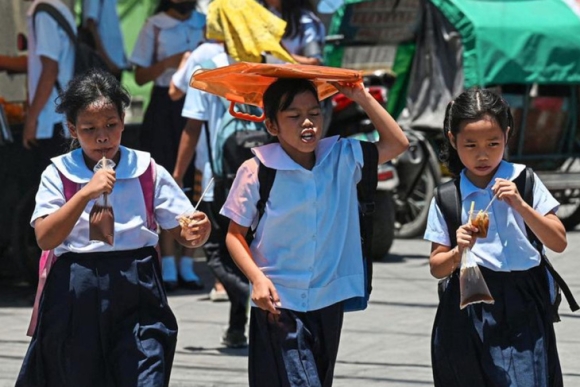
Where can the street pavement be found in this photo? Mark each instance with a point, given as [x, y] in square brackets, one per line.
[386, 345]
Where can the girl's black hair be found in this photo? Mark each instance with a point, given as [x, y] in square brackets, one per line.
[470, 105]
[85, 89]
[280, 94]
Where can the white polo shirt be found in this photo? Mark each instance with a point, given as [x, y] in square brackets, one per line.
[170, 36]
[46, 38]
[308, 240]
[104, 13]
[127, 200]
[506, 247]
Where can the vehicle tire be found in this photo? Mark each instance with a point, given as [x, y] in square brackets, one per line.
[26, 250]
[411, 217]
[569, 211]
[383, 225]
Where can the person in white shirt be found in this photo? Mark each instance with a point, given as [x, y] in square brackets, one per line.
[101, 20]
[306, 258]
[174, 29]
[104, 318]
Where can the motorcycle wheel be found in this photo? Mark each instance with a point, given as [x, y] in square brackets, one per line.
[411, 217]
[569, 210]
[383, 225]
[26, 250]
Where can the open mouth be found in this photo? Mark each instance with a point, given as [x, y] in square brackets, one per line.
[308, 135]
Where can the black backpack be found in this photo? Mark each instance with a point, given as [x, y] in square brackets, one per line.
[86, 57]
[366, 189]
[448, 199]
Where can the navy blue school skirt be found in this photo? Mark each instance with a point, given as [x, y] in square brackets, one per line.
[103, 321]
[508, 344]
[294, 349]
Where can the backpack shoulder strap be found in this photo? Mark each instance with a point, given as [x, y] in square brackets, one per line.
[448, 199]
[56, 15]
[70, 188]
[266, 176]
[367, 186]
[525, 184]
[147, 181]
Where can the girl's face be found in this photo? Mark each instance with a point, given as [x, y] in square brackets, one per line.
[481, 146]
[98, 129]
[299, 128]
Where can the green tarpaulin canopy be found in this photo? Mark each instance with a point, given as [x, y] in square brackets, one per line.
[516, 41]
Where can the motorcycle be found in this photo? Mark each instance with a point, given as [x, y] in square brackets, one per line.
[416, 172]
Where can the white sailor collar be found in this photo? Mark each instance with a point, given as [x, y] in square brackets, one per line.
[132, 164]
[506, 170]
[273, 156]
[164, 21]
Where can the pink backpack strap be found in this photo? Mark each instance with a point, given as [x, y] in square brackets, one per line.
[147, 181]
[47, 258]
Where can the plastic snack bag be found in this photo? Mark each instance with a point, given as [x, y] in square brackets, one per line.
[101, 217]
[472, 286]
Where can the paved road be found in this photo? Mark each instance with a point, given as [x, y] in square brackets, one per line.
[386, 345]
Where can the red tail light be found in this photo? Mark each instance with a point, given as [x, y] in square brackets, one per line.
[385, 175]
[341, 102]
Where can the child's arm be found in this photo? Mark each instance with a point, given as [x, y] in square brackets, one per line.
[53, 229]
[392, 141]
[443, 259]
[194, 234]
[264, 293]
[549, 229]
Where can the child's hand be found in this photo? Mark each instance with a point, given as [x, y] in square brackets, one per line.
[264, 295]
[355, 91]
[507, 191]
[465, 238]
[102, 182]
[196, 229]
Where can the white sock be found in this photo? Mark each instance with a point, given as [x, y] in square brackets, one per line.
[169, 269]
[186, 269]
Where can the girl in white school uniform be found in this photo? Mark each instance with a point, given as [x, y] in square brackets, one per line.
[305, 259]
[512, 342]
[104, 319]
[174, 29]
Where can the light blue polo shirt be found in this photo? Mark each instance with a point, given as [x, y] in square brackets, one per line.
[46, 38]
[170, 36]
[127, 200]
[308, 240]
[506, 247]
[104, 13]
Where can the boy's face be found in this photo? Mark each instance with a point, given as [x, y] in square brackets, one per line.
[299, 128]
[98, 129]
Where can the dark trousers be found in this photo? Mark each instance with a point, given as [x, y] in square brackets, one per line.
[294, 349]
[224, 268]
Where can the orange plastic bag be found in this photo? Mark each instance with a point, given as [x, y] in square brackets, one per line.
[245, 82]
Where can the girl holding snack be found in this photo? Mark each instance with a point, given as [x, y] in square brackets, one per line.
[306, 258]
[104, 319]
[510, 342]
